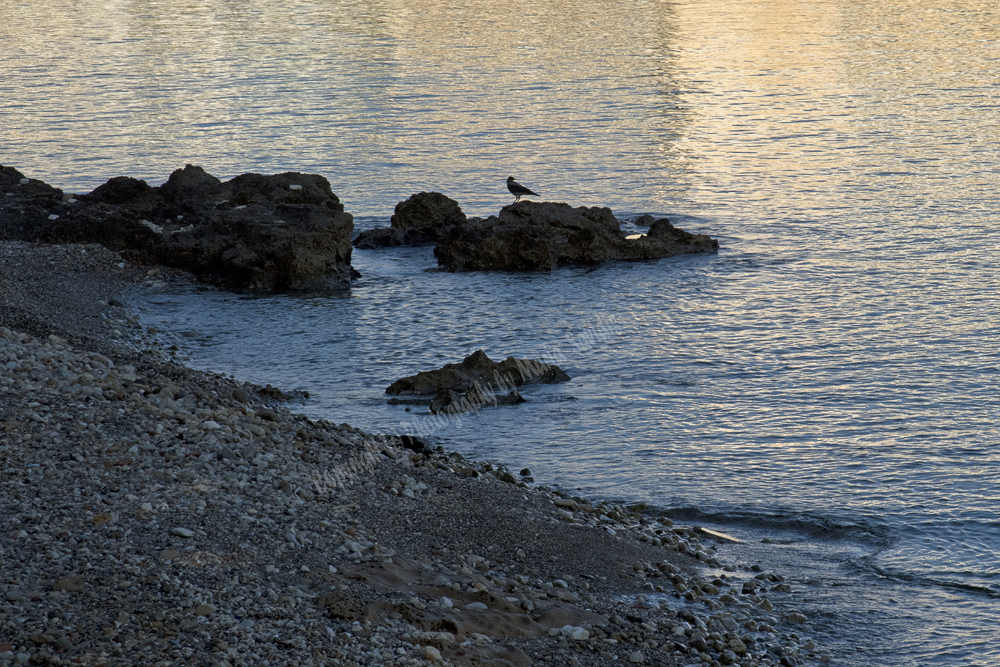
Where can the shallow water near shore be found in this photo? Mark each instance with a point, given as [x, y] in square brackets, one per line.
[861, 472]
[828, 382]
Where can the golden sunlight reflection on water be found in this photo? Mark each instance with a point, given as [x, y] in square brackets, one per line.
[383, 98]
[636, 105]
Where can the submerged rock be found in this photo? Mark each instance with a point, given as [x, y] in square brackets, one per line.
[380, 237]
[282, 232]
[421, 219]
[478, 371]
[475, 383]
[453, 402]
[532, 236]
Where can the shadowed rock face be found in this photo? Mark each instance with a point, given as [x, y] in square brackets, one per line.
[282, 232]
[532, 236]
[419, 220]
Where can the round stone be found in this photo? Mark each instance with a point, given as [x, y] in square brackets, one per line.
[69, 584]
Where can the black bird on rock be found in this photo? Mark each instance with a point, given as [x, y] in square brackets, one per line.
[518, 190]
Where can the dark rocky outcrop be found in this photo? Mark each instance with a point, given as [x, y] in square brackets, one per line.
[420, 220]
[532, 236]
[282, 232]
[477, 368]
[474, 383]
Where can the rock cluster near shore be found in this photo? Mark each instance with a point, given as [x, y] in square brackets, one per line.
[532, 236]
[264, 233]
[290, 232]
[527, 236]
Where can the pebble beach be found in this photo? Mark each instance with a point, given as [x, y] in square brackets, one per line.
[159, 515]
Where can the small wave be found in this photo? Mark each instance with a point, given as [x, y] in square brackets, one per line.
[923, 580]
[820, 527]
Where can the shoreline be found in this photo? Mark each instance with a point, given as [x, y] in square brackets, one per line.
[158, 511]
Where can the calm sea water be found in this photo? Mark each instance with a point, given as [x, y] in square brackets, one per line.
[828, 381]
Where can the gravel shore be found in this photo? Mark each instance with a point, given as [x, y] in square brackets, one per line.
[151, 514]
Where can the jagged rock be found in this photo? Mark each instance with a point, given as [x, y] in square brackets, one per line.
[421, 219]
[531, 236]
[425, 216]
[24, 206]
[126, 191]
[480, 373]
[268, 233]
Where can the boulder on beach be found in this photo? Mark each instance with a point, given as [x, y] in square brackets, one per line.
[533, 236]
[420, 220]
[281, 232]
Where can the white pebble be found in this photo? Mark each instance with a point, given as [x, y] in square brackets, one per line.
[182, 532]
[53, 217]
[574, 632]
[294, 187]
[24, 181]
